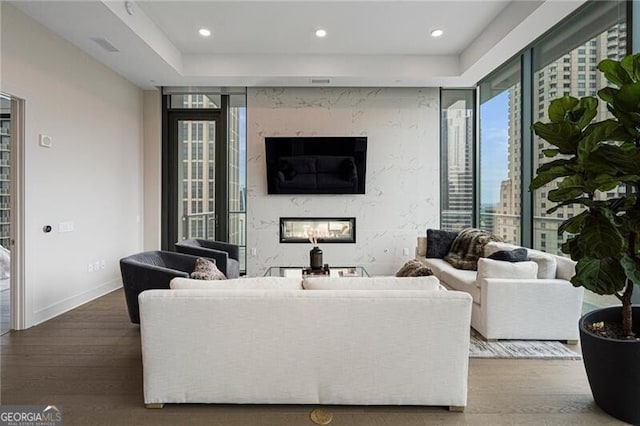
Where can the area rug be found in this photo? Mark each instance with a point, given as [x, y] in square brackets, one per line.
[522, 349]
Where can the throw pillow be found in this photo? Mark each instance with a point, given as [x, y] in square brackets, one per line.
[515, 255]
[468, 247]
[494, 246]
[413, 268]
[489, 268]
[439, 242]
[422, 271]
[206, 270]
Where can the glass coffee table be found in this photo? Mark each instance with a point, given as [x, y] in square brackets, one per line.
[334, 271]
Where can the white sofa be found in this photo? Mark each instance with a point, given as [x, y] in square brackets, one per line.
[543, 308]
[359, 345]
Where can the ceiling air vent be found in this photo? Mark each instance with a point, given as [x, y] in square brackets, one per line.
[105, 44]
[320, 81]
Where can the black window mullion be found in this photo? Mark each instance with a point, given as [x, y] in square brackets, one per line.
[526, 153]
[222, 173]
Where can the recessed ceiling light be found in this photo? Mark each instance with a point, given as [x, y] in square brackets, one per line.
[321, 33]
[437, 33]
[204, 32]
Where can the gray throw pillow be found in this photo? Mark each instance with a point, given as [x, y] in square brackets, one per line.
[413, 268]
[206, 270]
[439, 242]
[515, 255]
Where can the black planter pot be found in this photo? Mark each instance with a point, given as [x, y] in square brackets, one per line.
[613, 366]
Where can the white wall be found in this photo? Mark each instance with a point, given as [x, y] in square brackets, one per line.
[152, 165]
[91, 176]
[402, 188]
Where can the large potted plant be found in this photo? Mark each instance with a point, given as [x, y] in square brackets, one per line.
[593, 158]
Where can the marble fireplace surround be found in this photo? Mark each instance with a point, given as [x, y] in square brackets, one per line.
[403, 173]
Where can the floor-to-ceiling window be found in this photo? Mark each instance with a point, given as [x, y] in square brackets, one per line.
[204, 167]
[565, 63]
[237, 174]
[500, 143]
[457, 112]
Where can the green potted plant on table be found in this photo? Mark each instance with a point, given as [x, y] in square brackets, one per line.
[593, 158]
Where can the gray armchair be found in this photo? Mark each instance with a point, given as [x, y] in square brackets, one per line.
[151, 270]
[226, 255]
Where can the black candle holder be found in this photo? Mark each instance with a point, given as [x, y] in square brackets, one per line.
[315, 258]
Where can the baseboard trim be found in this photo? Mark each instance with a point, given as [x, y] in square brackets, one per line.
[73, 302]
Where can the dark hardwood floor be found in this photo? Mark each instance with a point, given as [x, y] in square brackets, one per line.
[88, 362]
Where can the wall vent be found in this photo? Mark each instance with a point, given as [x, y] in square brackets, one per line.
[320, 81]
[105, 44]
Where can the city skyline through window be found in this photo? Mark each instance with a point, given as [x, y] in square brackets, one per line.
[500, 153]
[564, 62]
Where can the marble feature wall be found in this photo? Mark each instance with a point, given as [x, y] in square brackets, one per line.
[402, 183]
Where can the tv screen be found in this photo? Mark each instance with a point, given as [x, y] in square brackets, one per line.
[316, 165]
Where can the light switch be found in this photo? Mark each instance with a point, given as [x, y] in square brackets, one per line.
[65, 226]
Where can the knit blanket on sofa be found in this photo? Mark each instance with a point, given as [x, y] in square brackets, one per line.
[468, 247]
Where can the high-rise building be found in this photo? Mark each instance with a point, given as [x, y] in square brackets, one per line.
[5, 175]
[457, 129]
[198, 173]
[575, 74]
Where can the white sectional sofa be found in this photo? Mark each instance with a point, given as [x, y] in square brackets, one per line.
[546, 307]
[339, 341]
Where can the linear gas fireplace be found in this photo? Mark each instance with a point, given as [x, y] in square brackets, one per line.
[325, 229]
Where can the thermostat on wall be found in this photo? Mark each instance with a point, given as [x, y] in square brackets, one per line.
[45, 141]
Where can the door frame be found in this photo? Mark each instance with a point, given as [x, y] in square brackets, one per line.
[170, 157]
[17, 231]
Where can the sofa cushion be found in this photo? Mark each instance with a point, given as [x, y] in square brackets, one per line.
[254, 283]
[439, 242]
[546, 262]
[413, 268]
[566, 268]
[462, 280]
[515, 255]
[468, 247]
[371, 283]
[489, 268]
[436, 265]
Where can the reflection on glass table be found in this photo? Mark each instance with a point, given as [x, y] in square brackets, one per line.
[334, 271]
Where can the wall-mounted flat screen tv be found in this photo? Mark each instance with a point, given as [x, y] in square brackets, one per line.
[316, 165]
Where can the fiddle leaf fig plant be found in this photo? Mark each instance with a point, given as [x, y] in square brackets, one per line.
[591, 159]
